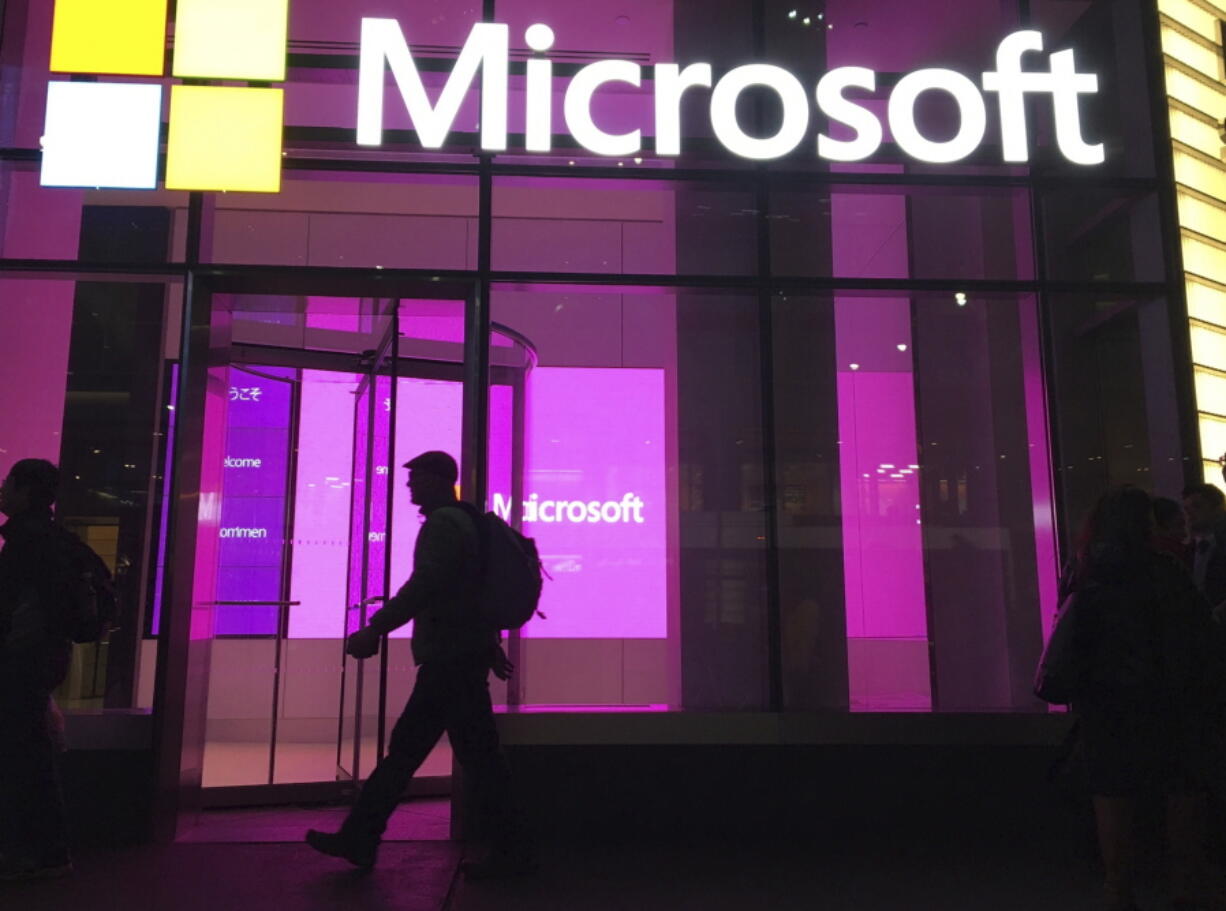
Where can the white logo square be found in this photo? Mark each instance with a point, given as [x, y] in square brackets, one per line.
[101, 134]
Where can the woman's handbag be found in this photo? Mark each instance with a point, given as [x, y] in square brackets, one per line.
[1062, 665]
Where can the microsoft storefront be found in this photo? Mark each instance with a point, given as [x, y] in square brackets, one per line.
[800, 338]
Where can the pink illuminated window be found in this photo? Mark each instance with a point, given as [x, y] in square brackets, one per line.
[594, 494]
[594, 500]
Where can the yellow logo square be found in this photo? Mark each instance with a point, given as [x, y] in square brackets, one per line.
[231, 39]
[120, 37]
[224, 138]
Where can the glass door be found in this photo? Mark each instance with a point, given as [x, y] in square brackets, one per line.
[360, 729]
[251, 577]
[326, 397]
[298, 366]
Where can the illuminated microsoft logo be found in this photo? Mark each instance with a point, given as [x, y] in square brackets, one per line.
[106, 133]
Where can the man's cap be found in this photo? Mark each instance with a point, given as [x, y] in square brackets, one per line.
[437, 463]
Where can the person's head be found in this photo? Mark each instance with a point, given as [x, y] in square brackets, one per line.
[1118, 532]
[32, 484]
[432, 479]
[1169, 519]
[1205, 506]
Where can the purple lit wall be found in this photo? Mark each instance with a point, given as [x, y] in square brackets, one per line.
[336, 313]
[322, 492]
[606, 549]
[881, 513]
[428, 417]
[35, 316]
[252, 534]
[499, 464]
[209, 506]
[879, 466]
[35, 327]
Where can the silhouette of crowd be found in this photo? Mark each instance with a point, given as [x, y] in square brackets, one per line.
[1139, 654]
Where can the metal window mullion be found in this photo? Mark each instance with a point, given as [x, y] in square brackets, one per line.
[394, 354]
[766, 382]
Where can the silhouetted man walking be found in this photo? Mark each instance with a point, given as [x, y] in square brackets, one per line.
[34, 654]
[455, 651]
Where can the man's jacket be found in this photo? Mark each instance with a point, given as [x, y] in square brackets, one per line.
[442, 595]
[34, 598]
[1215, 572]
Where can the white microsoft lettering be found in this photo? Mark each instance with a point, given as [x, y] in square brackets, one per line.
[384, 44]
[972, 113]
[831, 101]
[486, 48]
[671, 83]
[628, 509]
[1064, 84]
[538, 133]
[578, 107]
[795, 111]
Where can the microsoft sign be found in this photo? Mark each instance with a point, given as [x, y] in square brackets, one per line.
[223, 137]
[487, 50]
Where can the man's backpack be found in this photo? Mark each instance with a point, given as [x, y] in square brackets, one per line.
[511, 572]
[92, 606]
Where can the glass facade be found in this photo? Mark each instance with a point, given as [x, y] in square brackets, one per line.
[792, 434]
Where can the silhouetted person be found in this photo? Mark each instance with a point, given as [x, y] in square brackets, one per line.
[1205, 506]
[1150, 692]
[34, 655]
[455, 652]
[1171, 529]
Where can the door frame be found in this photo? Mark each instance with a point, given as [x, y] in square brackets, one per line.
[184, 642]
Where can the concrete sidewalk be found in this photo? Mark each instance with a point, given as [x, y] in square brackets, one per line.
[780, 877]
[413, 876]
[254, 859]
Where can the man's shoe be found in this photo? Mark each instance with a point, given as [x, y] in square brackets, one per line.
[18, 870]
[499, 865]
[336, 845]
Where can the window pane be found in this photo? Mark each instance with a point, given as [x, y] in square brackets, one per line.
[643, 490]
[352, 220]
[881, 231]
[1103, 235]
[893, 453]
[87, 362]
[1108, 39]
[624, 227]
[117, 226]
[1117, 414]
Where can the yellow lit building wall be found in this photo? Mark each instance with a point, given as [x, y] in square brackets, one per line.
[1196, 100]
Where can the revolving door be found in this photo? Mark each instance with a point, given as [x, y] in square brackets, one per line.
[319, 401]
